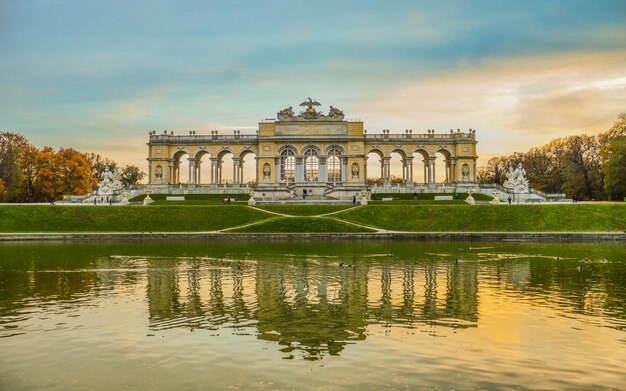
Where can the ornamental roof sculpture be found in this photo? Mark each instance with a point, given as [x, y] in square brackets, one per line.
[310, 113]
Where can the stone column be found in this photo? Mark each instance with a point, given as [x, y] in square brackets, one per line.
[277, 169]
[453, 169]
[386, 170]
[409, 166]
[235, 170]
[474, 173]
[344, 169]
[323, 170]
[299, 174]
[192, 171]
[447, 165]
[365, 169]
[426, 171]
[213, 170]
[169, 175]
[198, 170]
[149, 171]
[431, 176]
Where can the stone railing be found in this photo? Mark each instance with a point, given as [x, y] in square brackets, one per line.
[201, 138]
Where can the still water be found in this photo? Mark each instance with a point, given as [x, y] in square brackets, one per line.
[286, 315]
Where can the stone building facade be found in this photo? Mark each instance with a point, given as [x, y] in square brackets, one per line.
[322, 154]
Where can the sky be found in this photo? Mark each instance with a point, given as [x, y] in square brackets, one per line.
[99, 75]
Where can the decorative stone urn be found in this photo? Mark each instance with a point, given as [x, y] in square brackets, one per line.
[124, 198]
[470, 200]
[148, 200]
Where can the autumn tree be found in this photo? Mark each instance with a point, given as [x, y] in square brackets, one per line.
[64, 172]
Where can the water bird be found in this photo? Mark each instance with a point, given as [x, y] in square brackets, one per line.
[558, 258]
[604, 260]
[340, 264]
[390, 254]
[579, 268]
[458, 260]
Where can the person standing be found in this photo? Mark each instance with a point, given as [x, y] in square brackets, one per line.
[510, 199]
[354, 200]
[95, 200]
[51, 200]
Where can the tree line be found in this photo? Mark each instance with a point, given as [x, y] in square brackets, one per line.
[582, 166]
[31, 174]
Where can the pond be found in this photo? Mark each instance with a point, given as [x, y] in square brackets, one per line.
[312, 315]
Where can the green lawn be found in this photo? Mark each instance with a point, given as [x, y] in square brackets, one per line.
[195, 202]
[428, 196]
[57, 218]
[301, 224]
[415, 218]
[303, 210]
[418, 202]
[497, 218]
[193, 197]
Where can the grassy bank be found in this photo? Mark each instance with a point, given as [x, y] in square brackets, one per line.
[301, 224]
[303, 210]
[491, 218]
[55, 218]
[411, 218]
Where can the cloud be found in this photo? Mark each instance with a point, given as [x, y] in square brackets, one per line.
[515, 102]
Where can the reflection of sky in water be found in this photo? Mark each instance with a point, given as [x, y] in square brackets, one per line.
[501, 314]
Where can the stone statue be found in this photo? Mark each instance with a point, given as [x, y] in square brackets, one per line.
[516, 179]
[310, 112]
[465, 171]
[158, 173]
[355, 170]
[110, 182]
[285, 113]
[106, 181]
[267, 170]
[335, 113]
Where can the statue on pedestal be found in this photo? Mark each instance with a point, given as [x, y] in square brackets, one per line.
[110, 182]
[516, 179]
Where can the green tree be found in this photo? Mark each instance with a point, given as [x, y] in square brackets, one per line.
[12, 147]
[131, 175]
[614, 167]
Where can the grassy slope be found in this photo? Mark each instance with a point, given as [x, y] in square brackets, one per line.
[500, 218]
[304, 210]
[301, 224]
[125, 219]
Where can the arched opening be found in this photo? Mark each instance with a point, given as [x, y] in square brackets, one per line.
[203, 167]
[225, 174]
[375, 168]
[333, 164]
[247, 171]
[288, 165]
[178, 174]
[398, 167]
[311, 165]
[420, 166]
[442, 166]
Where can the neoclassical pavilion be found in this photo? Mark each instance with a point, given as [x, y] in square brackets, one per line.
[325, 154]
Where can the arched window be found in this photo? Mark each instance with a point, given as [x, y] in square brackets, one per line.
[334, 165]
[287, 165]
[311, 165]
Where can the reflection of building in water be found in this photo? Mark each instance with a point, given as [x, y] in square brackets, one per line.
[315, 310]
